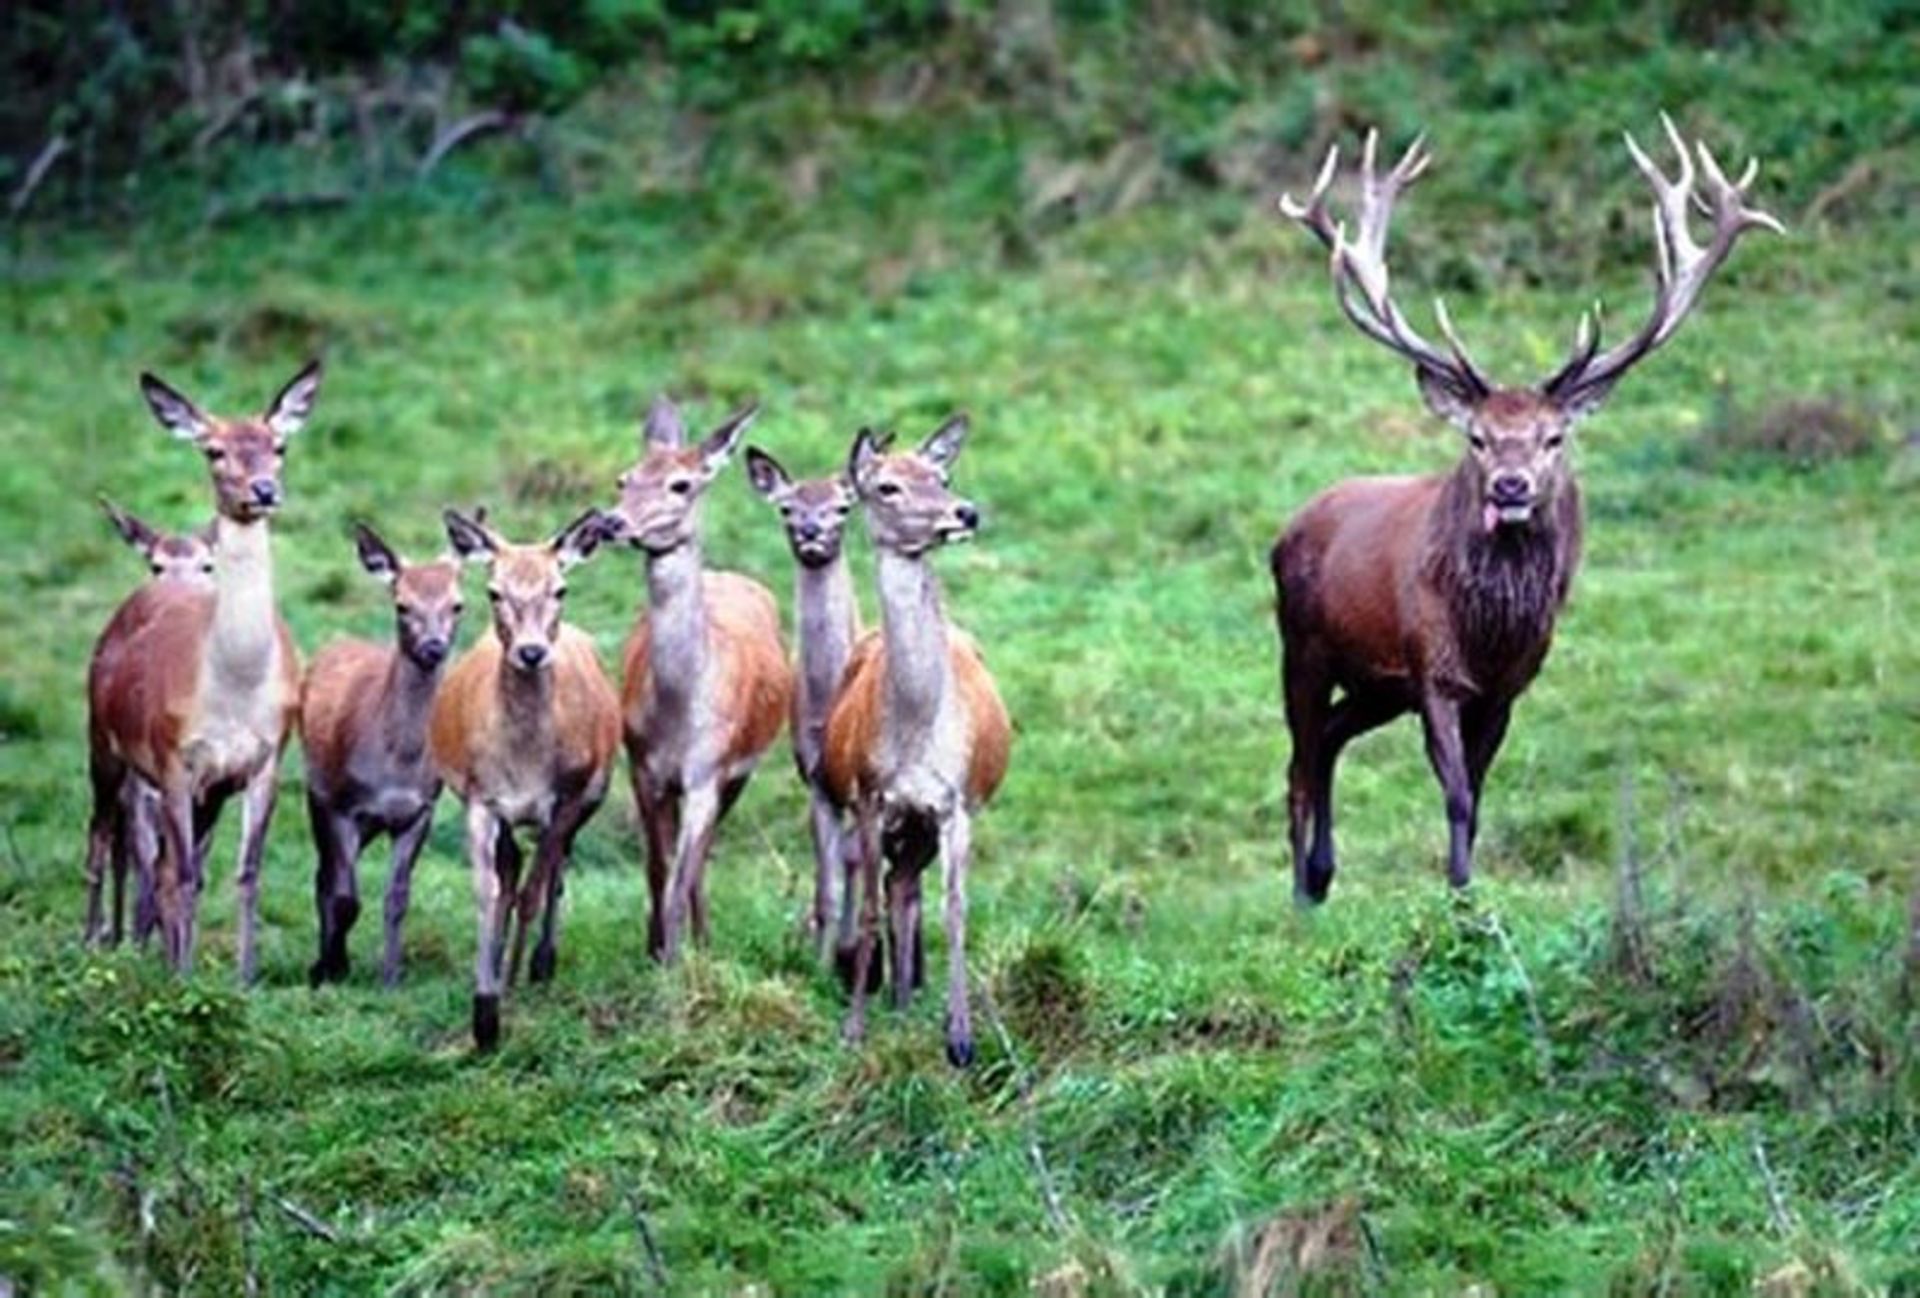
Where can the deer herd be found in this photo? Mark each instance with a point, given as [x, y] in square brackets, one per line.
[1435, 595]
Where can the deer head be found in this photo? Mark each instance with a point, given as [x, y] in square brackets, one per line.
[659, 506]
[183, 556]
[1516, 437]
[244, 455]
[526, 584]
[426, 597]
[910, 509]
[813, 511]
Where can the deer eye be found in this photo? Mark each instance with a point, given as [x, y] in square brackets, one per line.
[1476, 441]
[1554, 440]
[215, 454]
[680, 486]
[493, 596]
[888, 489]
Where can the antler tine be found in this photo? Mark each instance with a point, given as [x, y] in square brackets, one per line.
[1454, 344]
[1313, 213]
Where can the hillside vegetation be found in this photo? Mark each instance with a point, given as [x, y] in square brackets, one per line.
[1667, 1045]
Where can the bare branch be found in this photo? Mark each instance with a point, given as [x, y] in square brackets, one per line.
[467, 128]
[50, 152]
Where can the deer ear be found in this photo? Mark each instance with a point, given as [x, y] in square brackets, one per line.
[1583, 399]
[287, 413]
[765, 473]
[663, 425]
[944, 446]
[470, 539]
[720, 443]
[376, 556]
[865, 450]
[1444, 398]
[577, 541]
[134, 532]
[176, 414]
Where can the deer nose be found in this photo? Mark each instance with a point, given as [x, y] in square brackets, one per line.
[531, 655]
[266, 491]
[1511, 488]
[430, 653]
[969, 516]
[808, 531]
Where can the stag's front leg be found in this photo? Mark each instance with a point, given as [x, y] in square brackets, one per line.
[490, 902]
[256, 816]
[956, 847]
[1484, 731]
[1447, 752]
[406, 850]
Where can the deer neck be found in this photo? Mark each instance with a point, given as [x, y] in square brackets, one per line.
[829, 623]
[676, 624]
[244, 639]
[406, 701]
[526, 708]
[919, 669]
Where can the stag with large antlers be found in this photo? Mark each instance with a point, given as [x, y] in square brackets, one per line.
[1439, 594]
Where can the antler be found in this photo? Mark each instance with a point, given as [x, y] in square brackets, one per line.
[1360, 265]
[1682, 267]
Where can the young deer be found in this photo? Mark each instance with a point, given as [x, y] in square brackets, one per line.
[363, 726]
[917, 739]
[814, 514]
[706, 680]
[123, 828]
[524, 731]
[1439, 594]
[195, 690]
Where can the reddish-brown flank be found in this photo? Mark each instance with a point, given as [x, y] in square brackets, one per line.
[143, 683]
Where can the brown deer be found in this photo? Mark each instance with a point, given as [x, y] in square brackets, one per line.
[706, 677]
[1439, 594]
[196, 690]
[814, 515]
[917, 739]
[524, 731]
[363, 727]
[124, 827]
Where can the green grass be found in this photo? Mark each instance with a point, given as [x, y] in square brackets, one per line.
[1547, 1090]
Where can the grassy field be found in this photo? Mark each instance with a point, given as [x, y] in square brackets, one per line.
[1667, 1046]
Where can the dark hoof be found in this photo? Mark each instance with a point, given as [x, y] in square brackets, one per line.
[1312, 890]
[316, 973]
[960, 1051]
[541, 969]
[486, 1023]
[328, 969]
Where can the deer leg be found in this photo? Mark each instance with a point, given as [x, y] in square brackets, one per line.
[656, 826]
[1447, 752]
[699, 808]
[104, 827]
[336, 842]
[867, 826]
[141, 841]
[256, 815]
[174, 884]
[1486, 729]
[827, 857]
[729, 794]
[903, 914]
[1354, 715]
[485, 835]
[557, 845]
[956, 847]
[406, 850]
[1307, 693]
